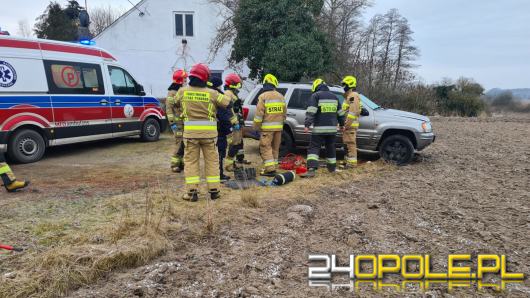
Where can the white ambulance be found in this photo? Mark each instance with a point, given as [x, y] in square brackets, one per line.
[54, 93]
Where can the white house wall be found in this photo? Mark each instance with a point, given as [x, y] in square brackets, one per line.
[148, 47]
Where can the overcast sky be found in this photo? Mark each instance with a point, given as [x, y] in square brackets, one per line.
[488, 40]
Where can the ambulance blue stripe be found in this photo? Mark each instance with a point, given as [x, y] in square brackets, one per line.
[7, 102]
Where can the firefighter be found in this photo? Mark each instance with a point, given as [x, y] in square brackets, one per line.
[175, 121]
[198, 104]
[352, 108]
[225, 121]
[236, 150]
[323, 113]
[269, 119]
[9, 180]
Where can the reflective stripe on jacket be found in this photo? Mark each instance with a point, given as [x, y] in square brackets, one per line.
[323, 112]
[271, 111]
[352, 106]
[199, 111]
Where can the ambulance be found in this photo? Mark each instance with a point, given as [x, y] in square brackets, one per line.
[54, 93]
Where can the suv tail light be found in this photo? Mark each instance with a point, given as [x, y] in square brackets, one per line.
[245, 112]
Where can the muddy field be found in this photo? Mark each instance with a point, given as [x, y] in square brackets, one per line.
[105, 220]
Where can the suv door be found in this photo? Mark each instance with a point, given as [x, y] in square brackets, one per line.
[296, 109]
[126, 104]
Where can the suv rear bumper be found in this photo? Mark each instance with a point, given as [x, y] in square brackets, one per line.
[425, 139]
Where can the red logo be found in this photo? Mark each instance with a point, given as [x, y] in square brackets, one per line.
[70, 76]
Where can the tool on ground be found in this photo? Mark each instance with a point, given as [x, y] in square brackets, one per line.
[292, 162]
[10, 248]
[284, 178]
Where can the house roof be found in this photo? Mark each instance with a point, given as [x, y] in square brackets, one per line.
[135, 7]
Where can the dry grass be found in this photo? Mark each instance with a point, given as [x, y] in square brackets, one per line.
[250, 198]
[91, 239]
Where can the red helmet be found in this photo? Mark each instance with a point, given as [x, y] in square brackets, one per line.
[233, 81]
[200, 71]
[179, 76]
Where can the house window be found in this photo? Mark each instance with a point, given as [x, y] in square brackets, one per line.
[183, 24]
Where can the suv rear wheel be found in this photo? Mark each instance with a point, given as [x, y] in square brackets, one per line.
[287, 144]
[150, 130]
[397, 149]
[26, 146]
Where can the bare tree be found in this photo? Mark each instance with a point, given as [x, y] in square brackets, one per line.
[24, 29]
[226, 31]
[102, 17]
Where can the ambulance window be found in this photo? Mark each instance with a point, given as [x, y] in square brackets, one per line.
[74, 78]
[122, 82]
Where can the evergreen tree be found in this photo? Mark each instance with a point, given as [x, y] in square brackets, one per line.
[58, 23]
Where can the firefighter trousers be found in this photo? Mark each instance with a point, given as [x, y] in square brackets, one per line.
[222, 144]
[192, 170]
[178, 153]
[313, 153]
[269, 147]
[350, 140]
[236, 147]
[5, 171]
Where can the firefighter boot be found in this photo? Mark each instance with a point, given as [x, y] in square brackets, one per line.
[311, 173]
[13, 185]
[16, 185]
[230, 164]
[179, 168]
[192, 196]
[215, 194]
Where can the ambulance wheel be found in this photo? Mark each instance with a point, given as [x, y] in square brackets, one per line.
[26, 146]
[150, 130]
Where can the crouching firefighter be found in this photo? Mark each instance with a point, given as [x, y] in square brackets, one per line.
[236, 151]
[269, 119]
[225, 121]
[175, 121]
[352, 108]
[323, 113]
[9, 180]
[199, 104]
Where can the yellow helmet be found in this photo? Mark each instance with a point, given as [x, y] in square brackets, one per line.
[350, 81]
[270, 79]
[317, 83]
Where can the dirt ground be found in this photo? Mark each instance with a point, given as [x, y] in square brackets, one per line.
[467, 193]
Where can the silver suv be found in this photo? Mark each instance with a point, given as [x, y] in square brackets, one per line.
[394, 134]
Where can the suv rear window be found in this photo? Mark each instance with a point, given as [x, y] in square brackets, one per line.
[299, 99]
[254, 102]
[74, 78]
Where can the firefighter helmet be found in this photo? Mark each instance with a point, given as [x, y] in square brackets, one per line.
[349, 81]
[270, 79]
[180, 76]
[316, 84]
[200, 71]
[233, 81]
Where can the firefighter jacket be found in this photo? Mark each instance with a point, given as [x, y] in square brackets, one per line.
[237, 107]
[199, 111]
[172, 112]
[324, 112]
[270, 111]
[352, 108]
[225, 119]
